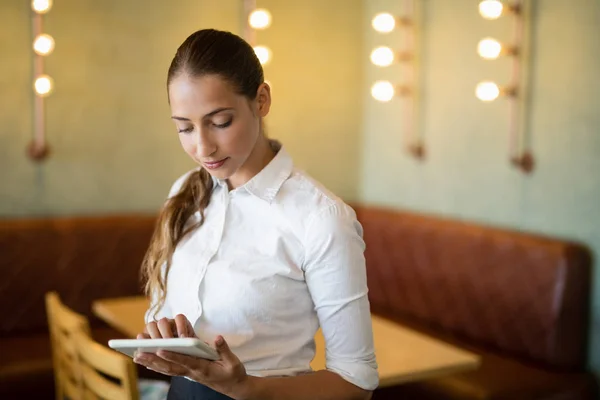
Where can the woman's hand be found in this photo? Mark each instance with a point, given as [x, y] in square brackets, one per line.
[168, 328]
[226, 375]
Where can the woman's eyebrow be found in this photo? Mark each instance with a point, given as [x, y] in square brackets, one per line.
[210, 114]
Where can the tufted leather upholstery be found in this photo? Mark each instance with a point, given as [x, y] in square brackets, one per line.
[520, 300]
[82, 258]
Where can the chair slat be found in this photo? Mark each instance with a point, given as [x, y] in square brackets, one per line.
[80, 362]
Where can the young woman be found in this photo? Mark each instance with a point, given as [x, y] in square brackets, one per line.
[250, 253]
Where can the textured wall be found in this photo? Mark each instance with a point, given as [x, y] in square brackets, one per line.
[466, 174]
[316, 73]
[114, 146]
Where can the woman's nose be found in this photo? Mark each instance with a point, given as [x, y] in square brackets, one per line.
[204, 145]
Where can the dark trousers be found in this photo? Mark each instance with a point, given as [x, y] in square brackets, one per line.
[184, 389]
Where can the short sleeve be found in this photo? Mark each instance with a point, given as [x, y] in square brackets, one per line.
[335, 273]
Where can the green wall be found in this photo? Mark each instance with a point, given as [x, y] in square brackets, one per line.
[114, 146]
[315, 74]
[466, 173]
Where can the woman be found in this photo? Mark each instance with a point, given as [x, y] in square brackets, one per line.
[249, 252]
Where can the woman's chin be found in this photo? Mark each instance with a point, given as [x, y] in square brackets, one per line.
[220, 173]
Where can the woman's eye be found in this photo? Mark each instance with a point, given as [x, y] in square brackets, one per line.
[224, 125]
[186, 130]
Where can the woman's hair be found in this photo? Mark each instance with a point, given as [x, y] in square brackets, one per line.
[205, 52]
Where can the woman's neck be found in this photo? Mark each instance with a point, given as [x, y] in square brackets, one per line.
[260, 157]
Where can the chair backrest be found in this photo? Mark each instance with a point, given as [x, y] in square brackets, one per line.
[63, 323]
[81, 365]
[96, 363]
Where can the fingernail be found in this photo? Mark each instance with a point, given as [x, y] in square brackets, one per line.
[220, 340]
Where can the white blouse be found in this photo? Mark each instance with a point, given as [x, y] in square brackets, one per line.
[275, 259]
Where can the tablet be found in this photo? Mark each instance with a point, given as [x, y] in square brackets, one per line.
[189, 346]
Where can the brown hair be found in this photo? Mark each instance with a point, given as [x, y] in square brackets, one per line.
[205, 52]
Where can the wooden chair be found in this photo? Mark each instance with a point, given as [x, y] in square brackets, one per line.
[83, 367]
[63, 322]
[98, 364]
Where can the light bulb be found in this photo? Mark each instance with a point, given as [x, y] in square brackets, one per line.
[489, 48]
[487, 91]
[490, 9]
[41, 6]
[43, 44]
[43, 85]
[384, 22]
[382, 91]
[382, 56]
[263, 53]
[260, 19]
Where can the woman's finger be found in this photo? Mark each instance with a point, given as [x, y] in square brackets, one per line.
[190, 328]
[165, 328]
[143, 336]
[197, 366]
[160, 365]
[183, 326]
[153, 331]
[225, 352]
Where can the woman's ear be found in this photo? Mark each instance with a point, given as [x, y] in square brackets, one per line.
[263, 97]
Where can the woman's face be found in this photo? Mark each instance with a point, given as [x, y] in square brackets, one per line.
[218, 128]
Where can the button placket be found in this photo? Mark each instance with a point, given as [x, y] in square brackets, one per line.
[214, 241]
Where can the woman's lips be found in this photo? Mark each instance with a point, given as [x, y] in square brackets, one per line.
[216, 164]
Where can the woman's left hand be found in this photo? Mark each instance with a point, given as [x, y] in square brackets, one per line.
[226, 375]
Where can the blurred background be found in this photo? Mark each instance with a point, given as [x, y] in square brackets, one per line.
[114, 149]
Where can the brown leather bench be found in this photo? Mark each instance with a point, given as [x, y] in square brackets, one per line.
[520, 300]
[83, 259]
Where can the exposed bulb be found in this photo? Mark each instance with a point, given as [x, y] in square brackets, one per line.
[382, 91]
[41, 6]
[382, 56]
[263, 53]
[384, 22]
[487, 91]
[43, 85]
[260, 19]
[489, 48]
[490, 9]
[43, 44]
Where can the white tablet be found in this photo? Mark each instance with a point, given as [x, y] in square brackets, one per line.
[190, 346]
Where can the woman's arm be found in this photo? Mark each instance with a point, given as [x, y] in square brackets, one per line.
[335, 272]
[336, 277]
[229, 377]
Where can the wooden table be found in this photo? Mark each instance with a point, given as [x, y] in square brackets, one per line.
[403, 355]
